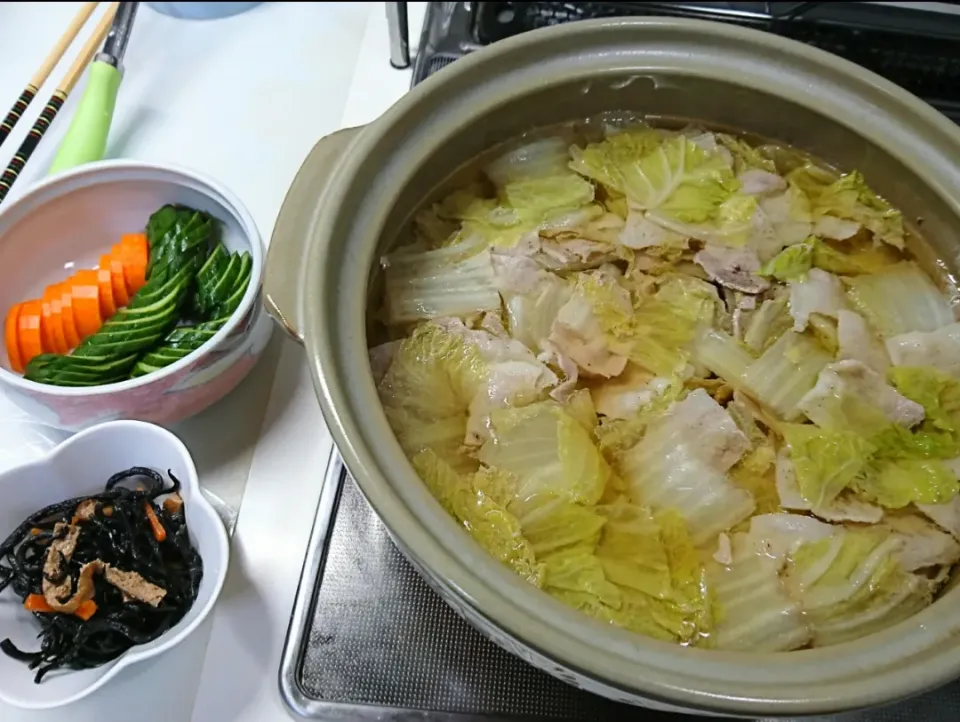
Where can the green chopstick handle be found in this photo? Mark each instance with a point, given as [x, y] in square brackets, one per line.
[86, 138]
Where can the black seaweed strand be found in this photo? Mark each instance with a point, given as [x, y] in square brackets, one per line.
[174, 487]
[136, 472]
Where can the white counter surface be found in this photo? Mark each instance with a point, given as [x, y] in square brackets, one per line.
[242, 99]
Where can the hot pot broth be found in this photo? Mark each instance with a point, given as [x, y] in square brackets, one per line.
[695, 384]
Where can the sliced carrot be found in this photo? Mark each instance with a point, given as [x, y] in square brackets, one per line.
[36, 603]
[108, 306]
[135, 254]
[87, 609]
[67, 318]
[46, 328]
[120, 295]
[85, 289]
[173, 504]
[46, 332]
[159, 533]
[11, 340]
[55, 295]
[53, 318]
[28, 330]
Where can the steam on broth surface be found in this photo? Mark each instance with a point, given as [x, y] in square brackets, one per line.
[692, 384]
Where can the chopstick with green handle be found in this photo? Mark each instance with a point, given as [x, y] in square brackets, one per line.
[49, 112]
[86, 138]
[46, 67]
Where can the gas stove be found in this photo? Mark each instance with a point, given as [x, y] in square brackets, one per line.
[916, 45]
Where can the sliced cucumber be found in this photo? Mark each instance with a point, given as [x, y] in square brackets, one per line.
[246, 268]
[165, 355]
[151, 294]
[207, 277]
[122, 347]
[213, 266]
[142, 369]
[221, 284]
[192, 337]
[78, 371]
[142, 338]
[179, 343]
[68, 382]
[216, 282]
[175, 234]
[82, 378]
[232, 302]
[224, 285]
[57, 361]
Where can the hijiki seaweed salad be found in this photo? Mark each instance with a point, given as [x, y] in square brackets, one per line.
[694, 386]
[102, 573]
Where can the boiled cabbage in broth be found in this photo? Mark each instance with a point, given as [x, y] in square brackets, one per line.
[693, 386]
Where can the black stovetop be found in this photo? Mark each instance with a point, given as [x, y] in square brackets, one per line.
[915, 47]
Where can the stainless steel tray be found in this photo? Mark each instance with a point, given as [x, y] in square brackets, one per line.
[368, 639]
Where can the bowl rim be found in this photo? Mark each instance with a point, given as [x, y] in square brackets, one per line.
[202, 183]
[166, 641]
[924, 653]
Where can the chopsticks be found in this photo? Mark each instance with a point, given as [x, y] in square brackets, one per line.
[43, 72]
[63, 89]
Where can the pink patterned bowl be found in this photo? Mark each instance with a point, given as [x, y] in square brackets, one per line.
[71, 219]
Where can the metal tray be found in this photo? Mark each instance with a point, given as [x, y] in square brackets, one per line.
[369, 640]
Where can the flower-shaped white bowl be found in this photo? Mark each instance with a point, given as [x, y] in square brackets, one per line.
[81, 465]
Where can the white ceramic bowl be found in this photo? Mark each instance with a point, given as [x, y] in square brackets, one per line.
[81, 465]
[67, 222]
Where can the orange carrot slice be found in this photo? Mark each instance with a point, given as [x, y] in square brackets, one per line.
[108, 306]
[28, 330]
[87, 609]
[11, 340]
[53, 319]
[85, 289]
[46, 333]
[159, 532]
[120, 295]
[70, 332]
[135, 253]
[37, 603]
